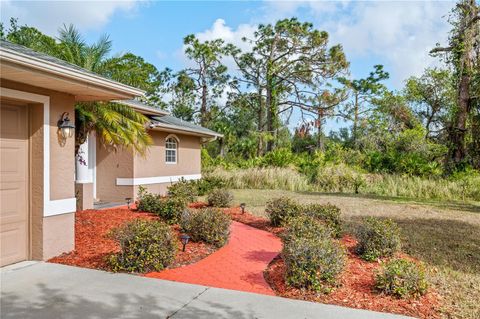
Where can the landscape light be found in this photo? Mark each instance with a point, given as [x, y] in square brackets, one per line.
[129, 200]
[242, 206]
[185, 238]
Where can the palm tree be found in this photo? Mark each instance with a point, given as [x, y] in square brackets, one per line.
[116, 124]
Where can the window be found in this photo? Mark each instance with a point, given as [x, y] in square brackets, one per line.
[171, 150]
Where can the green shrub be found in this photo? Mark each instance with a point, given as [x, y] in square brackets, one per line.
[184, 189]
[144, 246]
[339, 178]
[220, 198]
[168, 208]
[305, 227]
[401, 278]
[313, 263]
[147, 202]
[209, 225]
[171, 208]
[281, 209]
[377, 238]
[280, 157]
[208, 183]
[329, 214]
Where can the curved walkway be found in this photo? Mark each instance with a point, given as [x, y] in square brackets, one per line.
[239, 265]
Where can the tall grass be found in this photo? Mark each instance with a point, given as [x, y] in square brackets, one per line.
[417, 187]
[262, 178]
[345, 179]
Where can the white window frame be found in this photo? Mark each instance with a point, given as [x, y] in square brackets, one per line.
[174, 138]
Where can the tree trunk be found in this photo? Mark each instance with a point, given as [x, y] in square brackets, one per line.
[467, 42]
[355, 121]
[221, 145]
[459, 130]
[270, 112]
[260, 123]
[319, 130]
[203, 107]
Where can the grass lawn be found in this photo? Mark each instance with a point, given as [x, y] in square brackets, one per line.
[446, 236]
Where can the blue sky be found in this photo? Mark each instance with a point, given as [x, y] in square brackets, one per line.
[395, 34]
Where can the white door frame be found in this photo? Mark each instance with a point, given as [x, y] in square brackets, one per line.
[50, 207]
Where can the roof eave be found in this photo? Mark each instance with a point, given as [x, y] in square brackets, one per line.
[66, 72]
[143, 110]
[186, 131]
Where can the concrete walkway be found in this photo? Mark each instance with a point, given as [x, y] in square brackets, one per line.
[32, 290]
[239, 265]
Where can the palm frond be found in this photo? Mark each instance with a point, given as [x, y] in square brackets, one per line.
[72, 45]
[117, 125]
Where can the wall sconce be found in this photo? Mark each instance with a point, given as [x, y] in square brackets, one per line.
[66, 128]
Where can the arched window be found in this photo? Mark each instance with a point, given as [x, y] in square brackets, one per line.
[171, 145]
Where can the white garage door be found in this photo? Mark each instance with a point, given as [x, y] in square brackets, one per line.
[14, 228]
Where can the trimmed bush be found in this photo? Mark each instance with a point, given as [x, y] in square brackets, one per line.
[305, 227]
[184, 189]
[208, 183]
[220, 198]
[147, 202]
[280, 210]
[168, 208]
[329, 214]
[313, 259]
[144, 246]
[377, 238]
[209, 225]
[171, 208]
[313, 263]
[401, 278]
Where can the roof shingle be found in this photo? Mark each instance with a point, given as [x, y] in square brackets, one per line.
[174, 122]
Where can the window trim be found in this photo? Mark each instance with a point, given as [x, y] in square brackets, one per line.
[177, 142]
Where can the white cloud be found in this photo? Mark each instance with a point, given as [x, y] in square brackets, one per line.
[220, 30]
[48, 16]
[400, 33]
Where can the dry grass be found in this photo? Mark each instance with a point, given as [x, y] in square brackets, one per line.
[444, 235]
[342, 179]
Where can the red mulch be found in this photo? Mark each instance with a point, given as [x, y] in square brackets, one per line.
[356, 284]
[356, 288]
[252, 220]
[198, 205]
[92, 244]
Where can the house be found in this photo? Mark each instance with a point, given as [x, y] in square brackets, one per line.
[40, 179]
[114, 176]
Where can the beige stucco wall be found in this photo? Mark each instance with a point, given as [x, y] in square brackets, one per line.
[84, 192]
[124, 164]
[110, 165]
[155, 188]
[153, 164]
[36, 181]
[49, 238]
[58, 235]
[62, 163]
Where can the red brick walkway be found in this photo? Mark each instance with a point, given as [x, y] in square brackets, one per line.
[239, 265]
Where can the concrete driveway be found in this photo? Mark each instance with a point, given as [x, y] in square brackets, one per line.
[43, 290]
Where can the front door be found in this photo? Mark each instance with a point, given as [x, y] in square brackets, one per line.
[14, 197]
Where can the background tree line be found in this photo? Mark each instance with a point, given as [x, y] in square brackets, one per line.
[290, 71]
